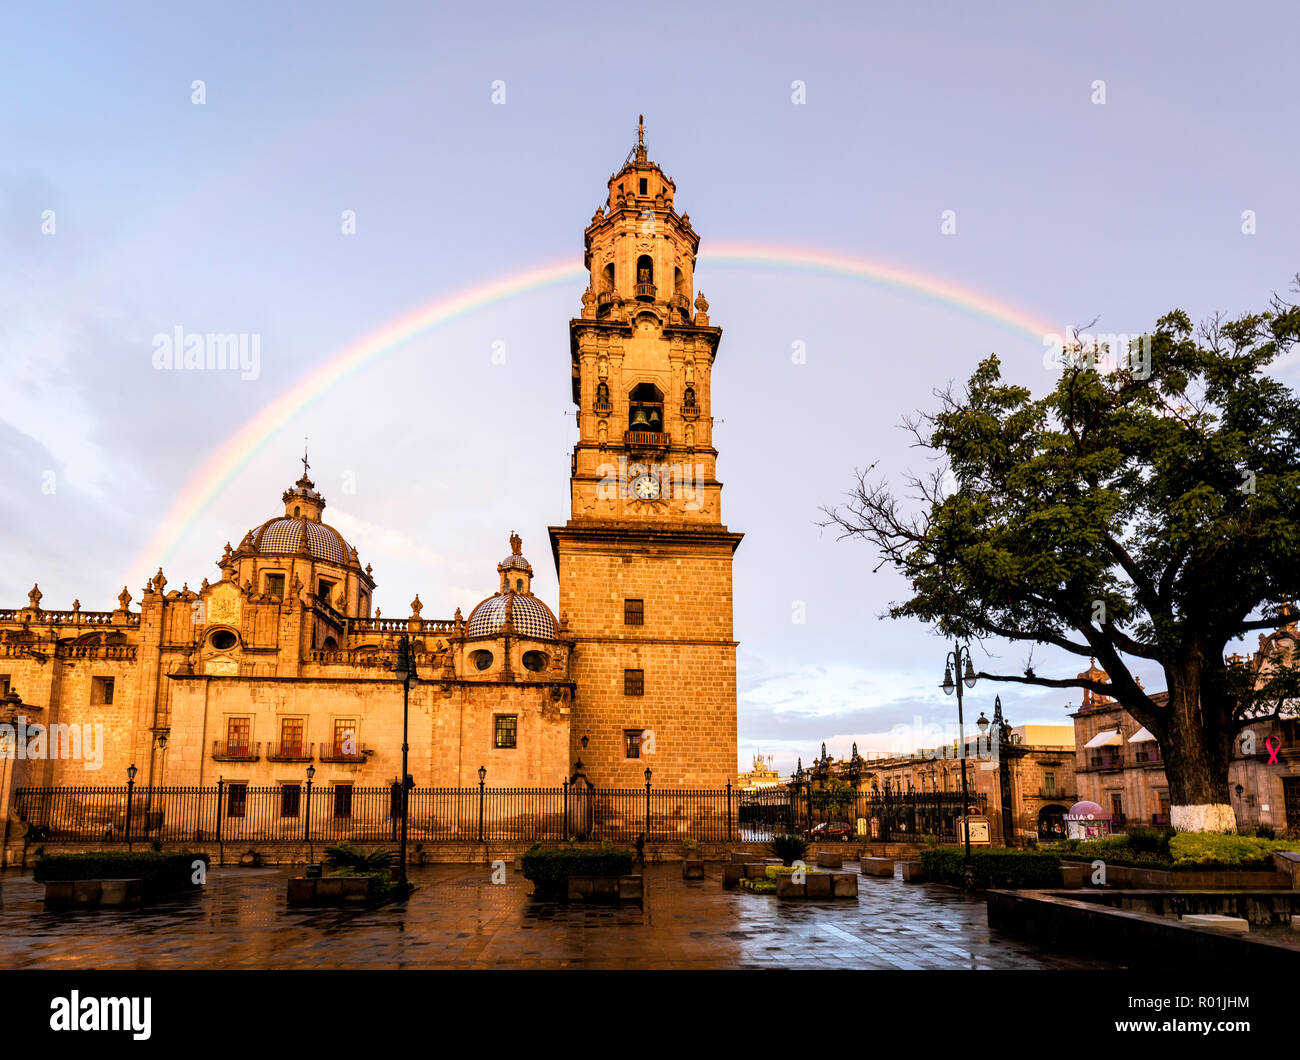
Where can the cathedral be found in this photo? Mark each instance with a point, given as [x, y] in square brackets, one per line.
[279, 663]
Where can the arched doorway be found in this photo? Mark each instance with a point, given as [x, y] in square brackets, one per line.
[1051, 823]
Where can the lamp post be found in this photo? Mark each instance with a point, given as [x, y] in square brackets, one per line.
[648, 774]
[965, 676]
[306, 828]
[482, 778]
[130, 790]
[160, 741]
[404, 669]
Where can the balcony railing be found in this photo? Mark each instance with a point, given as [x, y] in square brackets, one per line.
[1106, 762]
[1150, 757]
[645, 292]
[647, 439]
[223, 751]
[338, 756]
[602, 407]
[289, 752]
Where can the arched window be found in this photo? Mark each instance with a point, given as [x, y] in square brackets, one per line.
[646, 408]
[607, 279]
[645, 278]
[679, 283]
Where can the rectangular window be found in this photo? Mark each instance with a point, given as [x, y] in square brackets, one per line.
[634, 682]
[4, 684]
[238, 734]
[323, 590]
[507, 730]
[236, 800]
[273, 585]
[345, 737]
[342, 800]
[643, 185]
[1116, 807]
[101, 690]
[632, 743]
[633, 612]
[291, 733]
[1049, 783]
[290, 797]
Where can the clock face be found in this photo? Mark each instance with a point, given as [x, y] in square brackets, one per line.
[645, 487]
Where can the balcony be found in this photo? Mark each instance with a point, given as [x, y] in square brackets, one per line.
[645, 292]
[1113, 761]
[1150, 757]
[281, 752]
[647, 439]
[602, 408]
[337, 756]
[223, 751]
[1056, 795]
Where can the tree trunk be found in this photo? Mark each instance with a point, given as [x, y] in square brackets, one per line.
[1196, 758]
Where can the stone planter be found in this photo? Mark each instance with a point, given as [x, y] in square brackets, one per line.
[605, 888]
[331, 890]
[912, 872]
[732, 874]
[877, 866]
[692, 870]
[93, 894]
[830, 859]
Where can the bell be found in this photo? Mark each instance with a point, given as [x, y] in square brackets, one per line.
[656, 420]
[639, 421]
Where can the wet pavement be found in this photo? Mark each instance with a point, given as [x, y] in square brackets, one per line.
[458, 918]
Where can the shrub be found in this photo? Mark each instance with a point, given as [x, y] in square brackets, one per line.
[1203, 850]
[160, 873]
[1265, 831]
[763, 886]
[549, 870]
[1013, 869]
[789, 848]
[354, 860]
[1144, 840]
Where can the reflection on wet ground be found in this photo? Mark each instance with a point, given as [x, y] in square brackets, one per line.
[458, 918]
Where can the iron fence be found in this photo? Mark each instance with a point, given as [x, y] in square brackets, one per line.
[296, 813]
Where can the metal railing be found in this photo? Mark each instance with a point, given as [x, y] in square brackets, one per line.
[241, 813]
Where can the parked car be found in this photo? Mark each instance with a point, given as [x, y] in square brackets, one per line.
[826, 833]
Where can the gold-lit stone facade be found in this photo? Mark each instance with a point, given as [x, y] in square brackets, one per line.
[281, 662]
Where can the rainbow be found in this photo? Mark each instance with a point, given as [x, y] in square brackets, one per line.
[232, 454]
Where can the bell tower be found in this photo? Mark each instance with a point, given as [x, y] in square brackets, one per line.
[644, 561]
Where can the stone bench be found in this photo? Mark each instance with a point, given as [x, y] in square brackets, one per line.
[877, 866]
[93, 894]
[912, 872]
[817, 885]
[732, 874]
[830, 859]
[1072, 876]
[1216, 922]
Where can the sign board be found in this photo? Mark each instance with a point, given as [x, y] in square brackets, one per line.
[979, 831]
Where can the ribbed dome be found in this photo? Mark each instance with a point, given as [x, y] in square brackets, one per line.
[285, 534]
[532, 618]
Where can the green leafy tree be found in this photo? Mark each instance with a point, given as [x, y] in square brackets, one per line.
[1149, 512]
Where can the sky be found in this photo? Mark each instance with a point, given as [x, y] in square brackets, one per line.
[1095, 162]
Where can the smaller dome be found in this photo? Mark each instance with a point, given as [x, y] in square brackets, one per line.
[513, 562]
[530, 616]
[1088, 811]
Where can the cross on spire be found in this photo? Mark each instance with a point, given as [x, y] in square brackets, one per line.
[640, 130]
[305, 465]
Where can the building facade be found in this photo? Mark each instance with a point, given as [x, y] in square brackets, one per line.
[281, 662]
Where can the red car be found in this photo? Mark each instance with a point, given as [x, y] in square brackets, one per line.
[825, 833]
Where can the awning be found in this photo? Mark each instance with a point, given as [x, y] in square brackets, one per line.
[1104, 738]
[1141, 736]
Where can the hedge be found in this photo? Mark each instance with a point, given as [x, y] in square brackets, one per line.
[160, 873]
[1012, 869]
[1199, 850]
[550, 870]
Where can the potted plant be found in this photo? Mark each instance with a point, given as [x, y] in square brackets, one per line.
[250, 858]
[691, 848]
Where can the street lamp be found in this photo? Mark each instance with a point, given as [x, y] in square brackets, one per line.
[482, 778]
[306, 828]
[954, 661]
[404, 670]
[648, 774]
[131, 771]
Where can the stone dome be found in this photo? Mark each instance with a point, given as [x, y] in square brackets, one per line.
[513, 562]
[531, 617]
[284, 535]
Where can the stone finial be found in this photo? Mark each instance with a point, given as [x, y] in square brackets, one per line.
[588, 304]
[303, 547]
[225, 560]
[159, 581]
[416, 606]
[203, 585]
[564, 620]
[377, 614]
[76, 605]
[459, 619]
[124, 599]
[368, 568]
[34, 597]
[248, 586]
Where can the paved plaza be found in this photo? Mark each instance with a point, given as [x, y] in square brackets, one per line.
[459, 919]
